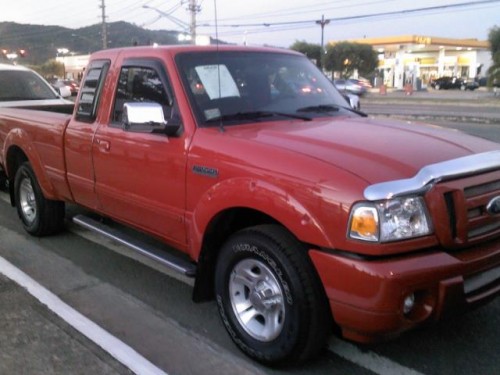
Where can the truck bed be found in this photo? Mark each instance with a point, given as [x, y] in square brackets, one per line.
[38, 132]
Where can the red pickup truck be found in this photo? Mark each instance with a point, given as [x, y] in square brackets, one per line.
[298, 215]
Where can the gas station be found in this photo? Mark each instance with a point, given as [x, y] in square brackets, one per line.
[416, 60]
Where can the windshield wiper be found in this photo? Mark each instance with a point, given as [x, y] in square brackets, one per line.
[322, 108]
[325, 108]
[256, 115]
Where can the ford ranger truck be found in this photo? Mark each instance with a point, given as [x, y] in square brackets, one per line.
[299, 216]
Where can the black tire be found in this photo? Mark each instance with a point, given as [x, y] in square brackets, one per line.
[293, 327]
[40, 216]
[3, 181]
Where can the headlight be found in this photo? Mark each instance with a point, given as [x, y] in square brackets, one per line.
[390, 220]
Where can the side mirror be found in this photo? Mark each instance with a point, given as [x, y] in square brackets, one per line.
[65, 92]
[148, 117]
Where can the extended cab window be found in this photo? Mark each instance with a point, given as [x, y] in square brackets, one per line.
[140, 84]
[91, 90]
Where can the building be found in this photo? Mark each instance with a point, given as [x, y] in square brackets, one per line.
[74, 65]
[418, 59]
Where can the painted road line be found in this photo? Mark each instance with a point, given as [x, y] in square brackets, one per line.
[116, 348]
[368, 360]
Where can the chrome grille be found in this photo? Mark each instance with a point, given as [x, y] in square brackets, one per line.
[480, 222]
[460, 213]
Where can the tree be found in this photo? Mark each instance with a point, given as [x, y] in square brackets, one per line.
[494, 70]
[313, 51]
[51, 68]
[346, 57]
[494, 39]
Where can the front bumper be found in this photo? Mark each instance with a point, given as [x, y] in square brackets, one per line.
[367, 296]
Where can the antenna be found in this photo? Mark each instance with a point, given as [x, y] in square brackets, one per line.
[216, 26]
[221, 125]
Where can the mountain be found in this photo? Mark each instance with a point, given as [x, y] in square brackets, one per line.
[42, 42]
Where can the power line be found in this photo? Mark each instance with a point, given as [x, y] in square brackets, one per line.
[310, 8]
[364, 16]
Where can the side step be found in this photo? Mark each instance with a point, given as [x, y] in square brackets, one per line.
[176, 263]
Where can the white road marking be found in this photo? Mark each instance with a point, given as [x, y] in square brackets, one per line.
[368, 360]
[116, 348]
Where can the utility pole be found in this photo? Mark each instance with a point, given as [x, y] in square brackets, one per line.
[104, 28]
[322, 22]
[193, 8]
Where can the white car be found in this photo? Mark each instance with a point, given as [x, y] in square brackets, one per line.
[21, 87]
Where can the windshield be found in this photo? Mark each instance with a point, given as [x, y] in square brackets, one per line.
[241, 87]
[23, 85]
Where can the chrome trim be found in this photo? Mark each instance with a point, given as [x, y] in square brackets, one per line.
[149, 251]
[434, 173]
[481, 280]
[493, 206]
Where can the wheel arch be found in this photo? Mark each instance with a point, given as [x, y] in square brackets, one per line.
[241, 203]
[15, 158]
[220, 228]
[19, 149]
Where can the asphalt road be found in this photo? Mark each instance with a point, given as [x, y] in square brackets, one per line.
[151, 310]
[453, 106]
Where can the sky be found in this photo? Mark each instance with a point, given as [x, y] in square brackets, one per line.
[272, 22]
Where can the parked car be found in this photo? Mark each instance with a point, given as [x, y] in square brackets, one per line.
[351, 85]
[20, 85]
[454, 83]
[73, 86]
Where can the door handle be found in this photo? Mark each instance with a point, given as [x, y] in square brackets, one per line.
[104, 146]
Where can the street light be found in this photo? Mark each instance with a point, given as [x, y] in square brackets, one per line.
[62, 51]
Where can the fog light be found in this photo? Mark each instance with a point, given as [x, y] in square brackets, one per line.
[409, 304]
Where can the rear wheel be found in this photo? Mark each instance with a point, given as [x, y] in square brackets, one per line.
[3, 181]
[269, 296]
[39, 216]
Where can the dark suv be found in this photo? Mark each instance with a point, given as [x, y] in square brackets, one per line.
[454, 83]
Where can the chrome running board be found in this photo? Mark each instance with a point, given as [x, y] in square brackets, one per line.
[169, 260]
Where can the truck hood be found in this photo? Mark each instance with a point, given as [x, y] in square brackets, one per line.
[374, 150]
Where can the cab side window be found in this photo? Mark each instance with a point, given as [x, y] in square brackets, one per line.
[140, 84]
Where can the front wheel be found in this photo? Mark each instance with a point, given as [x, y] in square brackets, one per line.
[269, 296]
[40, 216]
